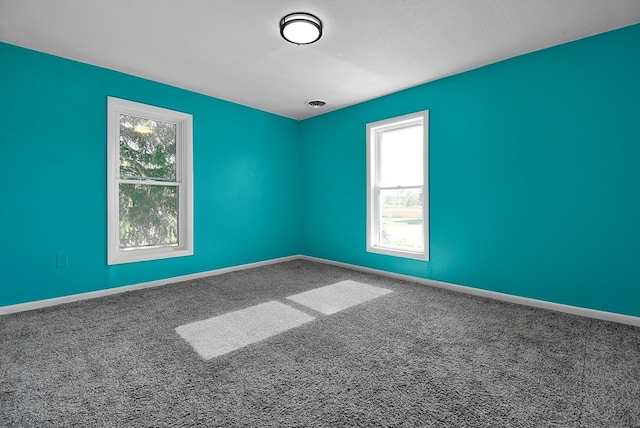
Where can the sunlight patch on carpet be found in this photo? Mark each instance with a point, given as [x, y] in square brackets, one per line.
[336, 297]
[225, 333]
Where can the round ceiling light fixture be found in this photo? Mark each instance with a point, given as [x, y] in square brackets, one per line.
[301, 28]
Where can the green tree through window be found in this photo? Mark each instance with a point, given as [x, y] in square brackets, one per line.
[148, 211]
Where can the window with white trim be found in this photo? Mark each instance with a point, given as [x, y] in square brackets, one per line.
[150, 182]
[398, 190]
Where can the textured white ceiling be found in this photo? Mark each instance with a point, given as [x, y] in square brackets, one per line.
[231, 49]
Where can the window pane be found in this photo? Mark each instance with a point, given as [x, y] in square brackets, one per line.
[401, 219]
[148, 216]
[401, 157]
[147, 149]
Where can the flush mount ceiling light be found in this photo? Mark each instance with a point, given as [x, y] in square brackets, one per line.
[301, 28]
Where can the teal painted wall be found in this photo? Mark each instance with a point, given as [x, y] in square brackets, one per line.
[53, 161]
[533, 168]
[534, 176]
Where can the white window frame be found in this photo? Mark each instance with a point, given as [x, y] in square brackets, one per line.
[374, 133]
[184, 181]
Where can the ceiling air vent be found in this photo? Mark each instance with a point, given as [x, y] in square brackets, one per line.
[316, 103]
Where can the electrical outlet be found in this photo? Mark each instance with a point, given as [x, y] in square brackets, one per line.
[62, 260]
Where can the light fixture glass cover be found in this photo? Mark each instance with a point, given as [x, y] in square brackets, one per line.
[301, 28]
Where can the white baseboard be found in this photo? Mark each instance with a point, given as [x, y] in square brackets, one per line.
[558, 307]
[28, 306]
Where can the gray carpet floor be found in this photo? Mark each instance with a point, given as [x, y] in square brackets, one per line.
[418, 356]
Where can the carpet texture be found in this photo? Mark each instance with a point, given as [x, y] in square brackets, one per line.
[225, 333]
[337, 297]
[417, 356]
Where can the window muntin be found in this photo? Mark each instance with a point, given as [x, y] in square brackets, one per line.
[150, 182]
[397, 198]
